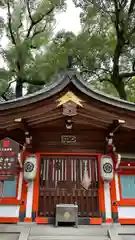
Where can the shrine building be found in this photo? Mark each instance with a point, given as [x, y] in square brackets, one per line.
[67, 144]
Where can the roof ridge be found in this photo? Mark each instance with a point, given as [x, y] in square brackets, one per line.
[58, 84]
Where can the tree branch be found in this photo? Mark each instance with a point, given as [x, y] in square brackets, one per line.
[10, 24]
[39, 31]
[95, 69]
[120, 41]
[102, 8]
[97, 74]
[131, 32]
[127, 75]
[3, 94]
[133, 66]
[128, 80]
[33, 22]
[131, 7]
[28, 9]
[124, 3]
[4, 97]
[116, 57]
[117, 22]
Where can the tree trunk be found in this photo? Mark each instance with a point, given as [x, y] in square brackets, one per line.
[120, 87]
[19, 89]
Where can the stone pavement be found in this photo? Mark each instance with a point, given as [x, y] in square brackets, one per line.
[28, 231]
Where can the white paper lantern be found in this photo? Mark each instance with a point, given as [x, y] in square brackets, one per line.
[106, 168]
[30, 167]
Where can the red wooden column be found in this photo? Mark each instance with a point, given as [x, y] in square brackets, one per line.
[36, 191]
[101, 191]
[23, 195]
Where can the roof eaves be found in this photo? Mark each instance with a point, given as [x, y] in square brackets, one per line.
[48, 91]
[60, 83]
[102, 97]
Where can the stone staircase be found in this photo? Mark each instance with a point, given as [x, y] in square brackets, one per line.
[26, 231]
[9, 236]
[68, 233]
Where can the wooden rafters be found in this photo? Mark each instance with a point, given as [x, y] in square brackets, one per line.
[45, 120]
[92, 121]
[94, 113]
[27, 112]
[93, 116]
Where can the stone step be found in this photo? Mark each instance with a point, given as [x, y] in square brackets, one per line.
[42, 230]
[60, 237]
[9, 236]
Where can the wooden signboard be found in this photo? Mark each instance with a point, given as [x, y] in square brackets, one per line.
[9, 150]
[68, 139]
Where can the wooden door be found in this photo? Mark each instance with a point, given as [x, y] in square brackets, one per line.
[60, 182]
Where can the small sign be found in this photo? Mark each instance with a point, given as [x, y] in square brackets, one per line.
[9, 150]
[68, 139]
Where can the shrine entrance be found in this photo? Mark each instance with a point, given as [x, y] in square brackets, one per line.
[69, 180]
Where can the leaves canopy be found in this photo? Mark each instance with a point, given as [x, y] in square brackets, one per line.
[110, 28]
[103, 52]
[29, 28]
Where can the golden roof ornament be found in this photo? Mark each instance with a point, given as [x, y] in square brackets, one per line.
[69, 101]
[69, 97]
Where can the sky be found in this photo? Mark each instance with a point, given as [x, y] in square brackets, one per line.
[69, 20]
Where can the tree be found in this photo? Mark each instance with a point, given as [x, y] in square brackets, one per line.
[109, 31]
[29, 26]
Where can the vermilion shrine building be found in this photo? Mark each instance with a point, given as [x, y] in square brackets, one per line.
[70, 128]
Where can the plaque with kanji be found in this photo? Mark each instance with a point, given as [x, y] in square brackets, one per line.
[9, 150]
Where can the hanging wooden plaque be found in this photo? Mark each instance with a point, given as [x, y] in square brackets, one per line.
[9, 150]
[68, 139]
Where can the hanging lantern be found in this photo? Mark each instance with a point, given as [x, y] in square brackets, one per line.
[30, 167]
[106, 168]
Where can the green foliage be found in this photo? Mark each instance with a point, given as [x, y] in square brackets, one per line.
[29, 27]
[104, 87]
[130, 88]
[103, 52]
[109, 27]
[55, 59]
